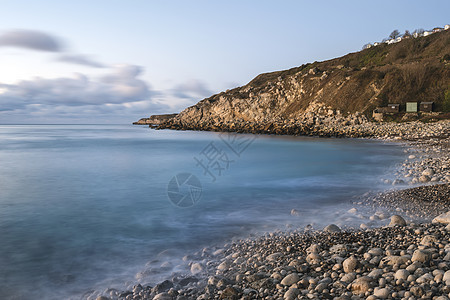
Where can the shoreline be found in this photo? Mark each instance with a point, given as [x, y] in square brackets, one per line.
[305, 264]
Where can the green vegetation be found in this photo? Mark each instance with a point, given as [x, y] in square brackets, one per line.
[372, 57]
[446, 103]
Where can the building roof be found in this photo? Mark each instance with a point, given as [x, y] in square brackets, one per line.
[426, 102]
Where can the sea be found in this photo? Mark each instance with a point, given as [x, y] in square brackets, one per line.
[87, 208]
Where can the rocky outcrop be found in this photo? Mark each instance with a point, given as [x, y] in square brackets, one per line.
[155, 119]
[323, 98]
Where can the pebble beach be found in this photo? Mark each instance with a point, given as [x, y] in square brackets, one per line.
[400, 250]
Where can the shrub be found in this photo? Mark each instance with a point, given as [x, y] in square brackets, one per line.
[446, 104]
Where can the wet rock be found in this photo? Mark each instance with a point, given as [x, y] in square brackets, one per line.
[332, 228]
[397, 220]
[443, 218]
[163, 287]
[196, 268]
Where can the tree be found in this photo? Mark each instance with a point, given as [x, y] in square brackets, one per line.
[407, 34]
[418, 32]
[394, 34]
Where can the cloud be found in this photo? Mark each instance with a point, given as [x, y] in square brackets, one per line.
[80, 59]
[122, 85]
[30, 39]
[192, 89]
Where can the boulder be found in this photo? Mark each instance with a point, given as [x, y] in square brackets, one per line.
[291, 294]
[362, 285]
[422, 256]
[443, 218]
[196, 268]
[290, 279]
[332, 228]
[401, 274]
[381, 293]
[350, 264]
[397, 220]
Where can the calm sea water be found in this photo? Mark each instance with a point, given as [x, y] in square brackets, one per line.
[86, 207]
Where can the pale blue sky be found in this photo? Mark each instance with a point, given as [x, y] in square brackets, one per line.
[116, 61]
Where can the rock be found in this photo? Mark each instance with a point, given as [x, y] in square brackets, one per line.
[422, 256]
[361, 285]
[290, 279]
[428, 172]
[163, 296]
[375, 274]
[350, 264]
[424, 178]
[187, 280]
[394, 260]
[291, 294]
[274, 256]
[349, 277]
[417, 291]
[401, 274]
[196, 268]
[446, 276]
[229, 293]
[313, 258]
[381, 293]
[428, 240]
[223, 266]
[376, 251]
[443, 218]
[332, 228]
[397, 220]
[163, 287]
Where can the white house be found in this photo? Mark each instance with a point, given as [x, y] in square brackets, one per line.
[376, 44]
[446, 27]
[368, 46]
[399, 39]
[437, 29]
[425, 33]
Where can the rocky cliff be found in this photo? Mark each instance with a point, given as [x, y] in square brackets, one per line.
[155, 119]
[334, 93]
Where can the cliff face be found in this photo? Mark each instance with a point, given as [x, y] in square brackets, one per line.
[155, 119]
[339, 91]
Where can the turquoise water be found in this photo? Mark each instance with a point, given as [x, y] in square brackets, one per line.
[85, 207]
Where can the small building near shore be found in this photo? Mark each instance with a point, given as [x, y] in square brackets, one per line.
[411, 107]
[390, 109]
[426, 106]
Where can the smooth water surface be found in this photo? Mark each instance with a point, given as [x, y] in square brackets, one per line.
[86, 206]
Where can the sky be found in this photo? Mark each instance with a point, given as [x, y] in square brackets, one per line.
[113, 62]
